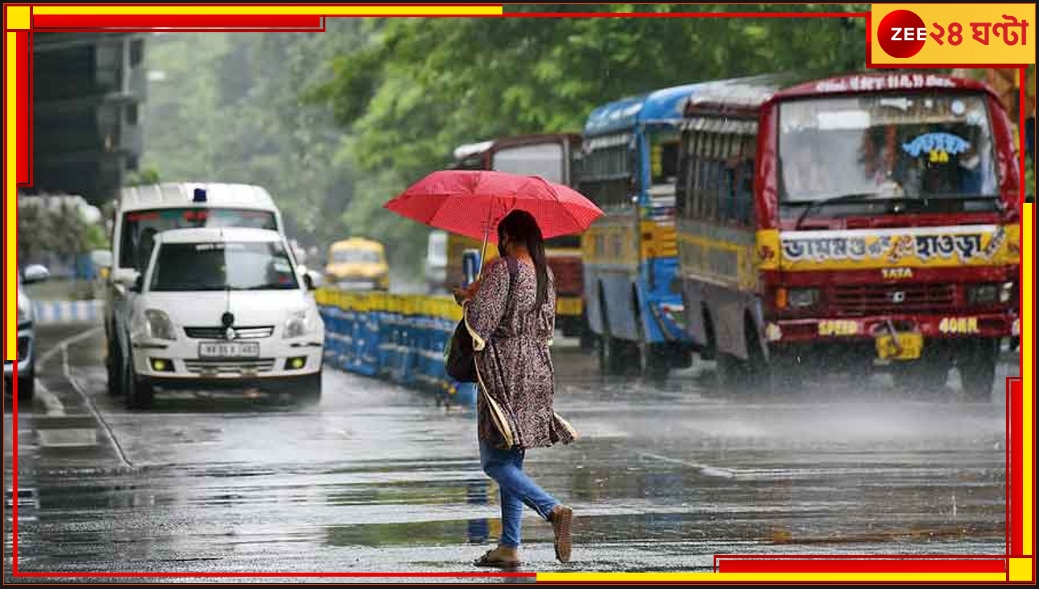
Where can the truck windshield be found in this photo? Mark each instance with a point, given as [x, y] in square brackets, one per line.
[139, 227]
[223, 266]
[911, 146]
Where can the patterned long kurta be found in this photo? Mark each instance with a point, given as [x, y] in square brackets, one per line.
[515, 369]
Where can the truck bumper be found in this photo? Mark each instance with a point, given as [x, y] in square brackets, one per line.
[946, 326]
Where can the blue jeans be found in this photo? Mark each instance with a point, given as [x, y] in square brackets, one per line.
[515, 488]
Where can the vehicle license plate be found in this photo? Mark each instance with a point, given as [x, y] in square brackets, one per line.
[229, 349]
[909, 346]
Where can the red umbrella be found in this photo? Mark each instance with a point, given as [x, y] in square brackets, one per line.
[471, 203]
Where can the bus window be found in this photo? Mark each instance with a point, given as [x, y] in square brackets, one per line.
[606, 172]
[728, 181]
[663, 154]
[695, 173]
[714, 176]
[745, 184]
[681, 192]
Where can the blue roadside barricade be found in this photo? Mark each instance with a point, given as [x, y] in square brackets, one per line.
[400, 338]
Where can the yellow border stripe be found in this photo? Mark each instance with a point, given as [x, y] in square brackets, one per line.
[10, 228]
[1020, 569]
[1027, 381]
[18, 17]
[345, 10]
[711, 577]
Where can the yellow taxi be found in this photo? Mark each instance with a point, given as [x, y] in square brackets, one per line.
[358, 264]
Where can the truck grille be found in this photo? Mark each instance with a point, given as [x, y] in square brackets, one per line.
[229, 366]
[865, 299]
[569, 275]
[219, 332]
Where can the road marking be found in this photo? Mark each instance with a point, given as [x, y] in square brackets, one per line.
[46, 356]
[49, 400]
[88, 400]
[705, 469]
[62, 348]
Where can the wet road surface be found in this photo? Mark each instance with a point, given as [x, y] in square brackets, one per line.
[380, 478]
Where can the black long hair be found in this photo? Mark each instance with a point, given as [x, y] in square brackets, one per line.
[521, 226]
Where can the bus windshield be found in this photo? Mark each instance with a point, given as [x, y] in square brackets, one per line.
[139, 227]
[542, 159]
[913, 146]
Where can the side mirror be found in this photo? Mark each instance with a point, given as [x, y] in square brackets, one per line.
[308, 280]
[35, 273]
[101, 258]
[138, 284]
[124, 276]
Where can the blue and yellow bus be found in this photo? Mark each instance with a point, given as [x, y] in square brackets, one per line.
[628, 165]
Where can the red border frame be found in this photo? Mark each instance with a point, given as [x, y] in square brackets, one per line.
[256, 23]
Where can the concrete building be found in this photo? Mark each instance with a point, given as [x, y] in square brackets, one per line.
[87, 95]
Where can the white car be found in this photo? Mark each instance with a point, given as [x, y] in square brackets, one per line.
[222, 307]
[26, 336]
[144, 211]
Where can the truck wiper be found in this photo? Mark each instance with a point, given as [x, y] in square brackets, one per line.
[854, 196]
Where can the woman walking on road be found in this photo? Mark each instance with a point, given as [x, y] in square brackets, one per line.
[510, 314]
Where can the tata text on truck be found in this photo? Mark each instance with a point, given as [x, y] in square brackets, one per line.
[548, 156]
[628, 167]
[145, 211]
[851, 222]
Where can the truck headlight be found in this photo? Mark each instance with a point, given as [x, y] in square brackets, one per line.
[799, 298]
[158, 325]
[1006, 292]
[296, 325]
[982, 294]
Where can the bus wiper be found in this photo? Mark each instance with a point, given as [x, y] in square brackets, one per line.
[832, 200]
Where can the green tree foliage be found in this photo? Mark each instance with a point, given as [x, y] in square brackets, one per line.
[143, 177]
[227, 108]
[35, 231]
[45, 229]
[335, 124]
[419, 87]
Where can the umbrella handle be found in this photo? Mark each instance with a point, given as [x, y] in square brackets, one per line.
[486, 234]
[483, 252]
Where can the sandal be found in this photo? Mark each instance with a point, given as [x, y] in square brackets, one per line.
[562, 517]
[491, 559]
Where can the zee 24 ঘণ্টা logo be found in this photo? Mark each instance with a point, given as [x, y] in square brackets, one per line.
[903, 33]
